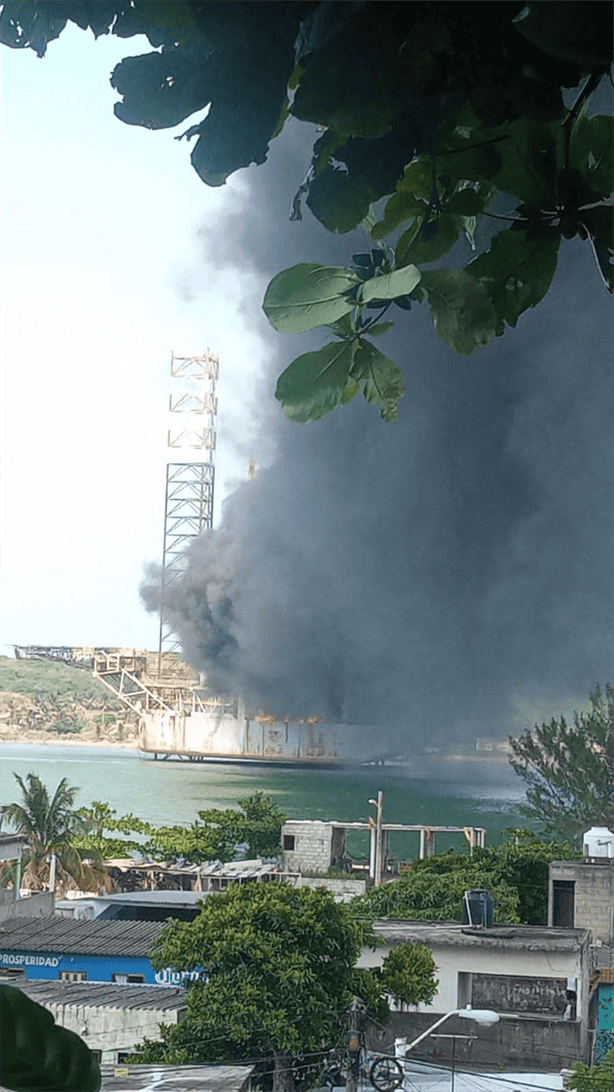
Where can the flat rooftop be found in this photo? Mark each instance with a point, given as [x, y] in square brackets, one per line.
[532, 938]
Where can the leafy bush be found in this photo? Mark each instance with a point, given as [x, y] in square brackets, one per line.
[515, 873]
[594, 1078]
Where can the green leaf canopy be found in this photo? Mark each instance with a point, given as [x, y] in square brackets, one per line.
[39, 1056]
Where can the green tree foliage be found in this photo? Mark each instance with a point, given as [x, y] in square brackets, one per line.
[569, 769]
[515, 873]
[101, 838]
[594, 1078]
[36, 1054]
[218, 833]
[451, 114]
[408, 975]
[277, 972]
[52, 825]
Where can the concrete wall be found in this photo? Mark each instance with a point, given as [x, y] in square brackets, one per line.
[537, 957]
[312, 850]
[453, 962]
[514, 1043]
[593, 895]
[206, 735]
[32, 906]
[111, 1030]
[343, 890]
[518, 994]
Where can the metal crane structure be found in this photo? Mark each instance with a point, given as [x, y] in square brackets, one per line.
[188, 502]
[177, 716]
[165, 684]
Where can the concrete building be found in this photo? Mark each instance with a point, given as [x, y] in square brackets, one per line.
[82, 951]
[314, 846]
[581, 895]
[525, 973]
[12, 847]
[112, 1019]
[132, 906]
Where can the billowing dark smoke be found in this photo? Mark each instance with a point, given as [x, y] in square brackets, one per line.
[431, 575]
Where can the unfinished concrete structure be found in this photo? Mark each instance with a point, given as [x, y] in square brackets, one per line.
[314, 846]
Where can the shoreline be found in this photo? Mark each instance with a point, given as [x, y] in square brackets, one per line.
[93, 744]
[485, 758]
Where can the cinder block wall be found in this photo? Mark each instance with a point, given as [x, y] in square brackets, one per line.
[306, 846]
[343, 890]
[593, 895]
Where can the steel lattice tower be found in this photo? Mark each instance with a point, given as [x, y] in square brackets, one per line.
[188, 504]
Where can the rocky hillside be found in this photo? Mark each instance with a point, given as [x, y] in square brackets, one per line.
[42, 701]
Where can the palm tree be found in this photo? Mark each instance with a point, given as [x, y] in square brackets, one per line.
[51, 826]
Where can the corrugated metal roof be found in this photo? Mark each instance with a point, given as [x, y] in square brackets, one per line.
[109, 995]
[188, 1078]
[60, 934]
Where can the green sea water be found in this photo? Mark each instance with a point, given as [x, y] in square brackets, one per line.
[434, 792]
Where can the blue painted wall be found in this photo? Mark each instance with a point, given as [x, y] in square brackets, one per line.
[99, 968]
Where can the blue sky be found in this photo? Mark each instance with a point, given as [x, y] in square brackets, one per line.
[101, 278]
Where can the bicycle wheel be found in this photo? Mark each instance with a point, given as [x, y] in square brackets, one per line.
[386, 1074]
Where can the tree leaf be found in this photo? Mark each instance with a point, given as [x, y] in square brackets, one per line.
[599, 224]
[581, 33]
[531, 155]
[465, 202]
[516, 272]
[400, 207]
[27, 24]
[461, 308]
[315, 383]
[381, 379]
[350, 177]
[422, 250]
[386, 287]
[591, 152]
[39, 1055]
[379, 329]
[308, 295]
[418, 178]
[351, 54]
[339, 200]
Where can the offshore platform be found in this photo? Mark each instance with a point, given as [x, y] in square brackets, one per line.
[177, 716]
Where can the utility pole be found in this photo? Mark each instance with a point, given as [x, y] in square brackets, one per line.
[353, 1046]
[378, 863]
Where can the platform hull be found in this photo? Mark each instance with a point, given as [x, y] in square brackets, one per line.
[206, 737]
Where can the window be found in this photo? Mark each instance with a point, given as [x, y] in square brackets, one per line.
[288, 841]
[123, 1055]
[464, 989]
[563, 896]
[126, 979]
[97, 1054]
[73, 976]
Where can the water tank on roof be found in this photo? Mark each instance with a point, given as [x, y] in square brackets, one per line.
[478, 908]
[598, 842]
